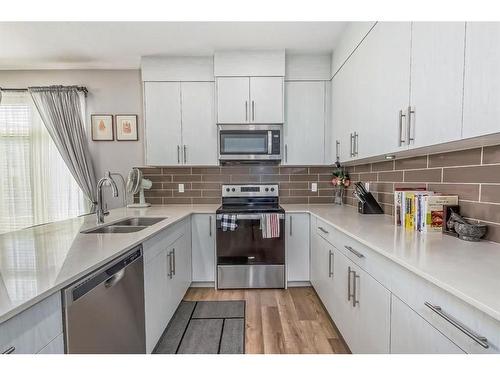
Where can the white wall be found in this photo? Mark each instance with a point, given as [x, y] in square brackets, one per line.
[110, 92]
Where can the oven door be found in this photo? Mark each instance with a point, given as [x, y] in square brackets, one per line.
[252, 142]
[246, 246]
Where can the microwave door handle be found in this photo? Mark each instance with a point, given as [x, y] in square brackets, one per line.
[269, 142]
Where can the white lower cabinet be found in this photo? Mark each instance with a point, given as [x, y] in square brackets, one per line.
[167, 276]
[412, 334]
[56, 346]
[203, 247]
[32, 330]
[297, 247]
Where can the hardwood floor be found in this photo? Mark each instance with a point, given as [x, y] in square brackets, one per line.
[280, 321]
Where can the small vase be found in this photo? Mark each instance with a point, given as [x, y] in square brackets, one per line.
[338, 195]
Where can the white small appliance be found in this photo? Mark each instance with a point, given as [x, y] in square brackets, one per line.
[137, 184]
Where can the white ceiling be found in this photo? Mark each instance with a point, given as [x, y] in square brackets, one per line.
[119, 45]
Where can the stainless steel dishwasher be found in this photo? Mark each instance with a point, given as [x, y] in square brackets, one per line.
[104, 311]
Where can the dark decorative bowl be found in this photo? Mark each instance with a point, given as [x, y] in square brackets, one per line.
[470, 232]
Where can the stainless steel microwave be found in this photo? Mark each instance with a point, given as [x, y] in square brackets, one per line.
[247, 143]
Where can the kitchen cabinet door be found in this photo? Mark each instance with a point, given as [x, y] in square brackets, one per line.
[297, 247]
[317, 265]
[203, 247]
[411, 334]
[266, 100]
[233, 100]
[162, 108]
[304, 128]
[343, 102]
[182, 276]
[482, 79]
[199, 132]
[437, 63]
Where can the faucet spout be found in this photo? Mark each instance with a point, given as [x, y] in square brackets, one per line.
[101, 211]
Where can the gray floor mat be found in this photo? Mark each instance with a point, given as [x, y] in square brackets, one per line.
[202, 337]
[233, 336]
[172, 337]
[219, 309]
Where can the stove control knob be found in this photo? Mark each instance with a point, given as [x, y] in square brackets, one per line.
[267, 189]
[227, 189]
[272, 189]
[233, 189]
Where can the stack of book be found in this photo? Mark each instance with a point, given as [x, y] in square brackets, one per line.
[420, 209]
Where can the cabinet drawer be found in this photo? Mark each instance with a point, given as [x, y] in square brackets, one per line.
[30, 331]
[155, 245]
[453, 317]
[325, 230]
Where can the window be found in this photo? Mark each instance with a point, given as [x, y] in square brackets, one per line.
[36, 186]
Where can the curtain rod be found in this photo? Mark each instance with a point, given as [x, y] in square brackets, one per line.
[78, 88]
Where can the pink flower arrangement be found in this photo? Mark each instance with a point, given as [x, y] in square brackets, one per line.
[341, 179]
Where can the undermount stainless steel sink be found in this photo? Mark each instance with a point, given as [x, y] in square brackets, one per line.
[129, 225]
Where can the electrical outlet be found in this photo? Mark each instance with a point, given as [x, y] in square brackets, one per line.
[181, 188]
[314, 187]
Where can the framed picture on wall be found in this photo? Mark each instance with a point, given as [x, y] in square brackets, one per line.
[102, 127]
[126, 128]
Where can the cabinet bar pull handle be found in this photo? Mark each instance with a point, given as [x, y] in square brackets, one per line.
[401, 139]
[291, 226]
[178, 154]
[330, 265]
[169, 261]
[348, 283]
[354, 288]
[253, 110]
[355, 252]
[356, 143]
[481, 340]
[173, 261]
[337, 150]
[246, 110]
[351, 147]
[210, 225]
[10, 350]
[409, 113]
[185, 154]
[286, 153]
[323, 230]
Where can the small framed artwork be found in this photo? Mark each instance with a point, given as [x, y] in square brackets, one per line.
[126, 128]
[102, 127]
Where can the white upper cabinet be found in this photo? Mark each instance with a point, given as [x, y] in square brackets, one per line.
[162, 107]
[482, 79]
[233, 97]
[437, 64]
[304, 122]
[266, 96]
[199, 132]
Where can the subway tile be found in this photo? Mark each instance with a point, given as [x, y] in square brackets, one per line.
[157, 193]
[177, 200]
[314, 200]
[206, 201]
[175, 185]
[206, 170]
[275, 177]
[410, 186]
[303, 177]
[187, 177]
[468, 192]
[326, 192]
[159, 178]
[235, 170]
[187, 193]
[244, 178]
[156, 185]
[483, 174]
[388, 209]
[383, 187]
[216, 178]
[462, 157]
[150, 171]
[491, 154]
[294, 185]
[325, 185]
[387, 198]
[383, 166]
[321, 170]
[362, 168]
[490, 193]
[323, 177]
[176, 170]
[493, 232]
[205, 186]
[303, 193]
[293, 170]
[422, 175]
[211, 193]
[349, 169]
[411, 163]
[284, 192]
[354, 176]
[368, 176]
[396, 176]
[150, 200]
[350, 201]
[293, 200]
[480, 211]
[264, 169]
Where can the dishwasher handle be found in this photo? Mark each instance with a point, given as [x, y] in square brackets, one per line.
[115, 279]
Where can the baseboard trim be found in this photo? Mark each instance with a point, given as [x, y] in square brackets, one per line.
[296, 284]
[202, 284]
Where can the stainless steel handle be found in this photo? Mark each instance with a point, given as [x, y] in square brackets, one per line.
[323, 230]
[115, 279]
[401, 140]
[173, 261]
[286, 153]
[178, 154]
[481, 340]
[355, 252]
[356, 144]
[408, 129]
[348, 283]
[249, 216]
[10, 350]
[351, 152]
[291, 226]
[169, 261]
[210, 225]
[246, 110]
[337, 150]
[269, 142]
[354, 288]
[330, 265]
[253, 110]
[185, 154]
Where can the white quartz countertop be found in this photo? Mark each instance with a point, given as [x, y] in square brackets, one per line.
[39, 261]
[468, 270]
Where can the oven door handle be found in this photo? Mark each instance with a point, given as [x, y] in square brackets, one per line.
[249, 216]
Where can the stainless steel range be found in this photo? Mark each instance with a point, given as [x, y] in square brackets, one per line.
[246, 256]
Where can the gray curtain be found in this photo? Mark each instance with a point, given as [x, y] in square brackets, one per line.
[60, 110]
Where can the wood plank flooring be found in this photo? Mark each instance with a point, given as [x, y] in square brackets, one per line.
[281, 321]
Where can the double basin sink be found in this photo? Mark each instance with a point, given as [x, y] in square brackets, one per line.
[129, 225]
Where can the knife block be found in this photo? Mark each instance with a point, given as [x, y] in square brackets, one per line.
[370, 205]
